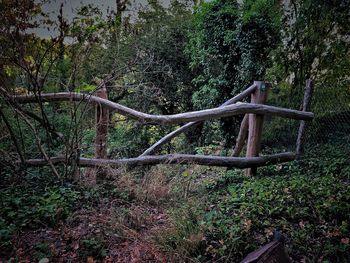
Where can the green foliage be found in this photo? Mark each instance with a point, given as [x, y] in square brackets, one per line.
[307, 200]
[152, 71]
[185, 236]
[40, 201]
[230, 49]
[32, 207]
[310, 48]
[93, 247]
[86, 88]
[171, 60]
[231, 45]
[29, 209]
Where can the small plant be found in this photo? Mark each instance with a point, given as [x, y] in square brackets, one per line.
[42, 250]
[185, 238]
[93, 247]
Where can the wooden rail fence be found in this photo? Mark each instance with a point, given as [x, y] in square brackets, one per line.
[250, 129]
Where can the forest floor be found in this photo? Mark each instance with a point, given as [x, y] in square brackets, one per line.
[183, 214]
[112, 226]
[89, 234]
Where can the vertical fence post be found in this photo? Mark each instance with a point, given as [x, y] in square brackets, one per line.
[102, 118]
[306, 107]
[255, 124]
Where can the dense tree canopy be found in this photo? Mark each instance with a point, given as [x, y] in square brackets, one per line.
[231, 46]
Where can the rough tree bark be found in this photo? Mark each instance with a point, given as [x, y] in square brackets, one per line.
[102, 118]
[256, 124]
[224, 111]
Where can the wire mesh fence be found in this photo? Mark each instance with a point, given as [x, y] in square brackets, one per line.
[331, 108]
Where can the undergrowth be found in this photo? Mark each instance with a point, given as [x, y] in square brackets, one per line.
[38, 201]
[209, 214]
[308, 200]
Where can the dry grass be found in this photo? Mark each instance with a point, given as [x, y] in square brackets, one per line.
[156, 186]
[152, 217]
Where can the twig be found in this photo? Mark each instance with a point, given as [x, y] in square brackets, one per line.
[13, 137]
[38, 141]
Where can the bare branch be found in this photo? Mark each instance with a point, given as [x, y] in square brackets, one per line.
[38, 142]
[13, 137]
[45, 124]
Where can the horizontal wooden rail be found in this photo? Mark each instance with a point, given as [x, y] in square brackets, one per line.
[190, 125]
[207, 160]
[226, 111]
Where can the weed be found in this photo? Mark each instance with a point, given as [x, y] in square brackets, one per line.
[93, 247]
[185, 238]
[42, 250]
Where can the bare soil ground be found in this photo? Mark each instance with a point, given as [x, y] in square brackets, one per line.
[110, 232]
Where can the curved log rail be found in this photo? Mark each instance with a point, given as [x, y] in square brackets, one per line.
[208, 160]
[229, 108]
[190, 125]
[225, 111]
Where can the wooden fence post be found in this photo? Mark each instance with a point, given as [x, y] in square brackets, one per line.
[255, 124]
[306, 107]
[102, 118]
